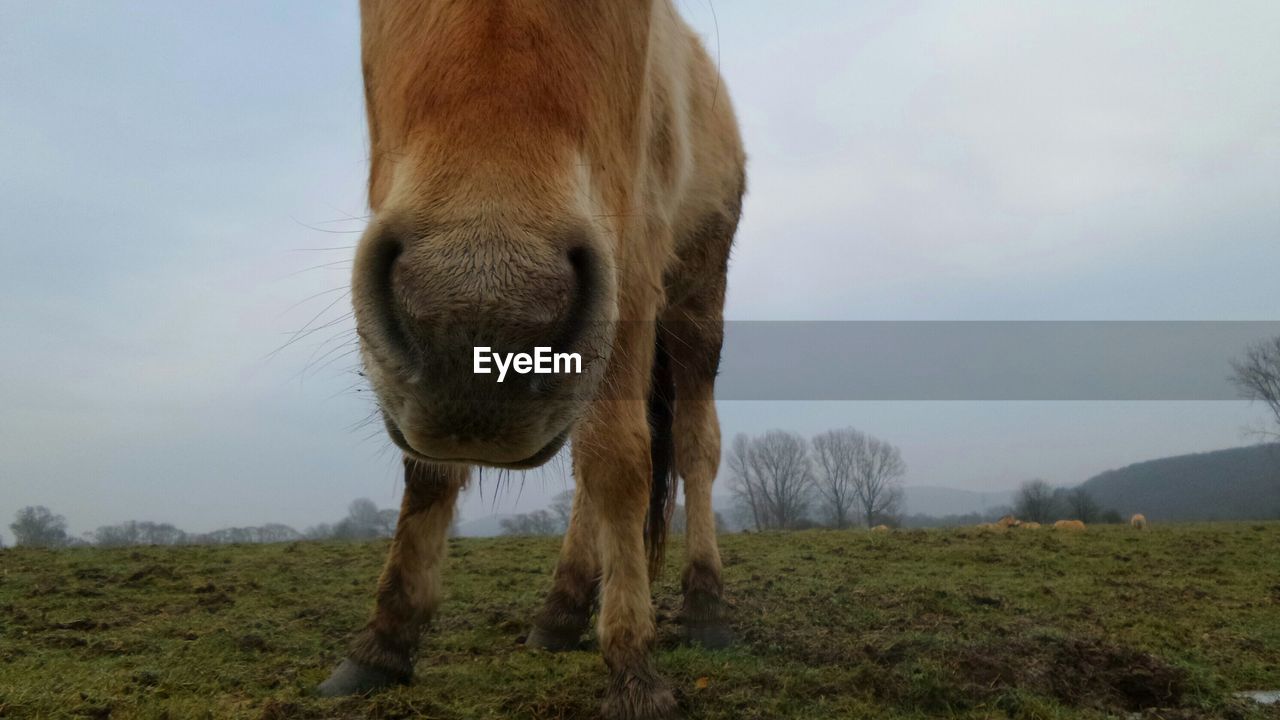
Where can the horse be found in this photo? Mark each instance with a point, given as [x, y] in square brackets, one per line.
[548, 174]
[1138, 521]
[1071, 525]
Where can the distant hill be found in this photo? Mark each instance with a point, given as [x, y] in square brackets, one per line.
[943, 501]
[1236, 484]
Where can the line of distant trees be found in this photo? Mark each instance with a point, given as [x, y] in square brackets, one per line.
[38, 526]
[782, 481]
[1036, 501]
[840, 478]
[922, 520]
[1040, 502]
[554, 519]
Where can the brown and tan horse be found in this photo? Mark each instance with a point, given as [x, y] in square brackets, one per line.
[559, 173]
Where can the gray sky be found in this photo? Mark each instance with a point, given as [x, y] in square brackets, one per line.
[171, 175]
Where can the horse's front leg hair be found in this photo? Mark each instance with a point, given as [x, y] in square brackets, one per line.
[566, 613]
[614, 469]
[409, 589]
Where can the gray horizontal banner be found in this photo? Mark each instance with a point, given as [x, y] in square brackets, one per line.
[945, 360]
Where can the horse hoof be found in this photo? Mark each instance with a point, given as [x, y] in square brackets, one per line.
[714, 635]
[353, 678]
[552, 640]
[635, 697]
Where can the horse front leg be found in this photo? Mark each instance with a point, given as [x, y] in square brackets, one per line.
[614, 471]
[566, 614]
[409, 588]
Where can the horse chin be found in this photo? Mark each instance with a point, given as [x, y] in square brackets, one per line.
[493, 455]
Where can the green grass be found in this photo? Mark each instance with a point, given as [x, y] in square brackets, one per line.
[913, 624]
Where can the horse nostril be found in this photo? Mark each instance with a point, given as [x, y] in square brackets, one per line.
[375, 271]
[583, 272]
[586, 288]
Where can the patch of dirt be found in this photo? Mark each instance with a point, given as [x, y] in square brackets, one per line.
[282, 710]
[82, 624]
[92, 708]
[1082, 672]
[63, 641]
[89, 573]
[252, 643]
[150, 573]
[567, 705]
[145, 678]
[986, 600]
[213, 602]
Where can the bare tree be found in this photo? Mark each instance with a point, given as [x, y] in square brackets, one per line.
[135, 532]
[835, 454]
[539, 522]
[770, 477]
[1257, 376]
[322, 531]
[365, 514]
[743, 485]
[878, 469]
[387, 520]
[271, 532]
[277, 532]
[153, 533]
[562, 509]
[1036, 501]
[365, 521]
[781, 460]
[116, 535]
[1082, 506]
[37, 526]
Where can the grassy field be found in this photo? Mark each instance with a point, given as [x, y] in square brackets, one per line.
[912, 624]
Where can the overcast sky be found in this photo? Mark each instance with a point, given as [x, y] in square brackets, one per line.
[181, 183]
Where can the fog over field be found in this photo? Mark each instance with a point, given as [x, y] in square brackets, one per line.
[182, 186]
